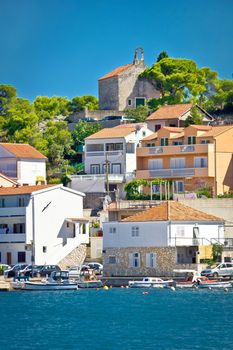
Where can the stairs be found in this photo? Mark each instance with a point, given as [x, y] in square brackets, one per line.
[74, 258]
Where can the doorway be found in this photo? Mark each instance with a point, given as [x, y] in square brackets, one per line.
[8, 258]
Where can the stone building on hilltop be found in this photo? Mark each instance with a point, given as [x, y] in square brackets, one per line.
[122, 88]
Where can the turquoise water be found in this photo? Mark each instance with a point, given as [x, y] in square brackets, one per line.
[116, 319]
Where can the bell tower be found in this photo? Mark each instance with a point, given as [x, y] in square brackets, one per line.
[138, 56]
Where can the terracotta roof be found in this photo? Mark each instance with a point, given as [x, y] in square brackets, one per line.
[216, 130]
[174, 211]
[200, 127]
[117, 71]
[170, 111]
[10, 191]
[150, 137]
[21, 150]
[132, 125]
[172, 129]
[109, 133]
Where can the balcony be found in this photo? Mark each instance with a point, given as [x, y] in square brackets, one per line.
[172, 173]
[13, 238]
[103, 154]
[112, 178]
[175, 150]
[12, 211]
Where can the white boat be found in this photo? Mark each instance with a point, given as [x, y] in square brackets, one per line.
[213, 284]
[190, 278]
[90, 284]
[59, 280]
[151, 282]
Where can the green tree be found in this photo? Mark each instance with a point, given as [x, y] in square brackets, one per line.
[162, 55]
[82, 130]
[49, 107]
[138, 114]
[78, 103]
[195, 117]
[7, 95]
[180, 79]
[222, 97]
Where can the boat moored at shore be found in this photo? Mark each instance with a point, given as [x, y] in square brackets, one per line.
[151, 282]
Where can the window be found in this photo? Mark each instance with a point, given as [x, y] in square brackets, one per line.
[21, 257]
[67, 224]
[134, 260]
[140, 101]
[156, 188]
[95, 147]
[157, 127]
[104, 168]
[154, 164]
[116, 168]
[150, 145]
[180, 232]
[150, 259]
[112, 229]
[177, 143]
[2, 203]
[44, 249]
[114, 146]
[95, 169]
[204, 142]
[130, 148]
[112, 259]
[191, 140]
[177, 163]
[21, 202]
[164, 141]
[195, 232]
[179, 185]
[19, 228]
[143, 133]
[135, 231]
[200, 162]
[129, 102]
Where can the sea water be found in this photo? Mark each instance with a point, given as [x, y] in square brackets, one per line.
[116, 319]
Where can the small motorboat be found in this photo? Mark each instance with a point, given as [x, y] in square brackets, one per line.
[206, 283]
[58, 280]
[151, 282]
[89, 283]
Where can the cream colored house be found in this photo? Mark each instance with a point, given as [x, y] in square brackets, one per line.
[174, 116]
[155, 241]
[192, 158]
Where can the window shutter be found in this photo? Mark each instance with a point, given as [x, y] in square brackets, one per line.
[130, 260]
[147, 259]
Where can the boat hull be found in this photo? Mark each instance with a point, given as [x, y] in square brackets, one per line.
[89, 284]
[215, 285]
[48, 286]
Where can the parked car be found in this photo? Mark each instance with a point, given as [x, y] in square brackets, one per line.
[32, 270]
[15, 270]
[97, 267]
[46, 270]
[224, 269]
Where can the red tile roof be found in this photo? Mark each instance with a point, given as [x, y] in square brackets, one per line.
[170, 111]
[11, 191]
[117, 71]
[109, 133]
[21, 150]
[174, 211]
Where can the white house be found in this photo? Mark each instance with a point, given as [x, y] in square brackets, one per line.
[42, 223]
[116, 147]
[22, 163]
[157, 240]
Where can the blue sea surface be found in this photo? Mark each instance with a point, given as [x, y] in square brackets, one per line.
[116, 319]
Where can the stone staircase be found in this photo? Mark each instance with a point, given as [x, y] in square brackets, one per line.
[74, 258]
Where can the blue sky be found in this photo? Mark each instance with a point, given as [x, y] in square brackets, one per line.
[62, 47]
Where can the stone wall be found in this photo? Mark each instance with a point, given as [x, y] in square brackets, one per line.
[75, 258]
[165, 261]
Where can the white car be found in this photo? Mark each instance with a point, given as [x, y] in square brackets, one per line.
[224, 269]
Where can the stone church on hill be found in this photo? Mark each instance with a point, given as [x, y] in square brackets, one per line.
[122, 88]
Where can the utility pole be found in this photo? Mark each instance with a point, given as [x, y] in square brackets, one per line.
[107, 179]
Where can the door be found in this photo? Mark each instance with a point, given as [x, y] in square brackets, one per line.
[154, 164]
[177, 163]
[116, 168]
[8, 258]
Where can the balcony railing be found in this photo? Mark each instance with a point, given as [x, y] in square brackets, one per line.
[111, 177]
[191, 241]
[13, 238]
[180, 149]
[169, 173]
[104, 154]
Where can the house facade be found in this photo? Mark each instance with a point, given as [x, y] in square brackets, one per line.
[191, 158]
[115, 147]
[122, 88]
[175, 116]
[22, 163]
[158, 240]
[40, 224]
